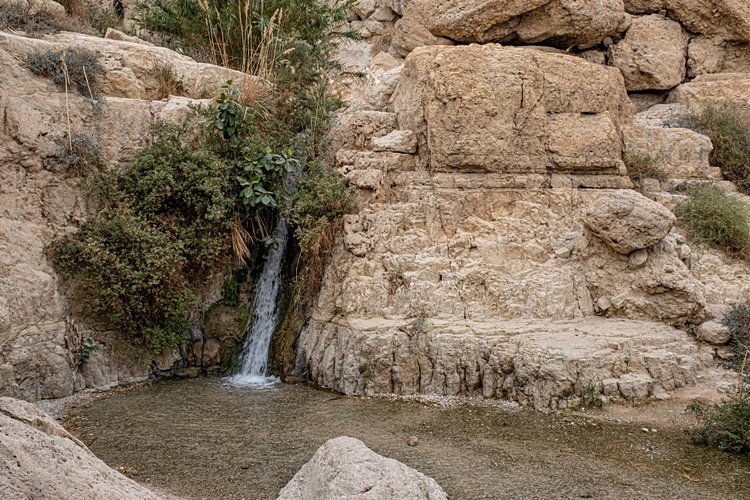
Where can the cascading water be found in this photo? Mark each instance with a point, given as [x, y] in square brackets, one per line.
[263, 319]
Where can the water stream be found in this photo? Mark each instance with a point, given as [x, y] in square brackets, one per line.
[263, 319]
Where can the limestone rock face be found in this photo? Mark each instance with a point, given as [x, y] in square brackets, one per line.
[40, 459]
[411, 32]
[644, 6]
[729, 19]
[41, 198]
[628, 221]
[708, 55]
[345, 468]
[652, 54]
[131, 68]
[560, 22]
[544, 112]
[730, 88]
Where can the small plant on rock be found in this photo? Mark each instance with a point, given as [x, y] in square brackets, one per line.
[725, 425]
[717, 218]
[78, 69]
[80, 153]
[643, 166]
[737, 321]
[729, 130]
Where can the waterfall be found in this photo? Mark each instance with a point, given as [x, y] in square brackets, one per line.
[263, 319]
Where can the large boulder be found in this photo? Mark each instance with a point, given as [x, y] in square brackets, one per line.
[729, 19]
[512, 111]
[726, 88]
[40, 459]
[345, 468]
[708, 55]
[628, 221]
[560, 22]
[652, 54]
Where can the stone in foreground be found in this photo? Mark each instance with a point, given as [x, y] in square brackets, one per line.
[40, 459]
[628, 221]
[345, 468]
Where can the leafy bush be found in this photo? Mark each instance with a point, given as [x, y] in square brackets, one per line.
[717, 218]
[78, 68]
[320, 199]
[131, 271]
[726, 425]
[729, 130]
[167, 81]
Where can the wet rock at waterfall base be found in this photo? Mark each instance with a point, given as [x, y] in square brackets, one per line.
[345, 468]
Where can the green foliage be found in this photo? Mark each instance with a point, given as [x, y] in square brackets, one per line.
[737, 321]
[227, 112]
[725, 425]
[263, 174]
[78, 69]
[87, 348]
[167, 81]
[717, 218]
[321, 198]
[130, 270]
[231, 291]
[643, 166]
[729, 130]
[91, 17]
[80, 154]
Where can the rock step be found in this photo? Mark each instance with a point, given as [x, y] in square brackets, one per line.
[544, 364]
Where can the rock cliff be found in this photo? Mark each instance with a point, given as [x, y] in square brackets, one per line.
[500, 249]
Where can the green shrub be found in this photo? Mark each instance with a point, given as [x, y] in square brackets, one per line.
[80, 154]
[81, 69]
[643, 166]
[83, 17]
[737, 321]
[729, 130]
[321, 198]
[130, 271]
[715, 217]
[725, 425]
[91, 17]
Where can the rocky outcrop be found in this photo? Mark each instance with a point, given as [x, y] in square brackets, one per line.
[652, 54]
[559, 22]
[729, 19]
[345, 468]
[628, 221]
[546, 114]
[42, 197]
[40, 459]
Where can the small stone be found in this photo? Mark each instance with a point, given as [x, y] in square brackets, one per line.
[603, 304]
[645, 429]
[714, 333]
[398, 141]
[638, 258]
[563, 253]
[412, 441]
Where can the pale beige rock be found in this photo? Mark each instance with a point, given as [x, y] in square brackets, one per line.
[34, 7]
[410, 33]
[520, 111]
[644, 6]
[131, 68]
[714, 333]
[727, 18]
[345, 468]
[40, 459]
[708, 55]
[652, 54]
[729, 88]
[398, 141]
[560, 22]
[628, 221]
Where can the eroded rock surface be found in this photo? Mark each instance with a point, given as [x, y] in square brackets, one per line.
[40, 459]
[345, 468]
[559, 22]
